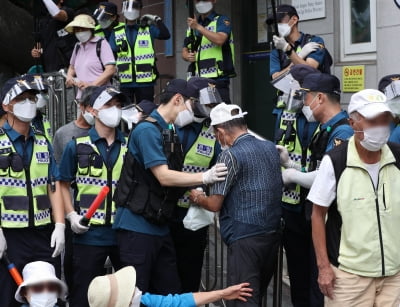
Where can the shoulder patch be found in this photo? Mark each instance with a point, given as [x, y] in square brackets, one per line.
[337, 142]
[227, 22]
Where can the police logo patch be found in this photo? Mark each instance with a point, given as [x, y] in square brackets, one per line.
[143, 43]
[211, 28]
[42, 157]
[204, 150]
[337, 142]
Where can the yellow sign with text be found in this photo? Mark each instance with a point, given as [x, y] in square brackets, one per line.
[353, 78]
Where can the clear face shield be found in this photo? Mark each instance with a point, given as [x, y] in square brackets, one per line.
[130, 6]
[130, 115]
[209, 96]
[392, 92]
[103, 18]
[295, 100]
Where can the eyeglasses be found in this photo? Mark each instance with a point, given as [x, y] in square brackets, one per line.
[50, 287]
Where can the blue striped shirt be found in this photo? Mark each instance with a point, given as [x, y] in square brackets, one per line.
[252, 189]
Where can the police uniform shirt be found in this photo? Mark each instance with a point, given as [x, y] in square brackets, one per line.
[25, 149]
[97, 236]
[340, 133]
[318, 55]
[395, 134]
[131, 34]
[146, 145]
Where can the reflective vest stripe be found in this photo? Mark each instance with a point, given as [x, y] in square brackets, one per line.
[198, 158]
[143, 57]
[90, 181]
[14, 211]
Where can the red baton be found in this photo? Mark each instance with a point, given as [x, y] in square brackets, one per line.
[12, 270]
[94, 206]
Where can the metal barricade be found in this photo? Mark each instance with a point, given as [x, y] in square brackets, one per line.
[61, 108]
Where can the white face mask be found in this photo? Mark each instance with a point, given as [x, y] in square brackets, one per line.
[132, 15]
[308, 114]
[89, 118]
[104, 24]
[184, 118]
[83, 36]
[284, 29]
[44, 299]
[42, 100]
[203, 7]
[25, 110]
[137, 297]
[110, 116]
[375, 138]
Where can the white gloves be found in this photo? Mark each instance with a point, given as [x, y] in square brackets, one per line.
[151, 18]
[216, 173]
[307, 49]
[51, 7]
[3, 243]
[280, 43]
[74, 218]
[285, 161]
[291, 175]
[58, 239]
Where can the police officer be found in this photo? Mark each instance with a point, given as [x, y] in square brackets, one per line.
[295, 47]
[107, 18]
[134, 46]
[55, 45]
[201, 150]
[390, 86]
[209, 46]
[29, 188]
[321, 94]
[148, 191]
[91, 162]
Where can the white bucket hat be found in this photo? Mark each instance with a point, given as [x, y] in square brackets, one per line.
[81, 21]
[38, 272]
[113, 290]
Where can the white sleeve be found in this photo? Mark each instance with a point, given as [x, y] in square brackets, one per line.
[323, 189]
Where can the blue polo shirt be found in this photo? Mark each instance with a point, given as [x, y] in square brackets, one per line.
[146, 145]
[342, 132]
[395, 134]
[131, 35]
[318, 55]
[177, 300]
[25, 149]
[96, 235]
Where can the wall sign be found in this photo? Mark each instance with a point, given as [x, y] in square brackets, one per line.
[353, 78]
[310, 9]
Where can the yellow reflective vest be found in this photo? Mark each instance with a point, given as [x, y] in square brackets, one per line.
[92, 174]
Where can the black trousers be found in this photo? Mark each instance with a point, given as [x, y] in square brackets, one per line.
[88, 262]
[300, 256]
[253, 260]
[223, 89]
[189, 247]
[25, 245]
[137, 94]
[154, 260]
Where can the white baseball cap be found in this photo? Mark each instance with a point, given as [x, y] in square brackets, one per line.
[38, 272]
[369, 103]
[223, 113]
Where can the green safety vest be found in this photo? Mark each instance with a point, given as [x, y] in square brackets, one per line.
[210, 57]
[138, 65]
[293, 145]
[24, 201]
[47, 129]
[198, 159]
[92, 175]
[99, 31]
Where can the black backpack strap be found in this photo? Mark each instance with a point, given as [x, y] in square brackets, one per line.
[338, 156]
[98, 52]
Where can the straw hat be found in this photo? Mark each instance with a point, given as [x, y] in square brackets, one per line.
[38, 272]
[81, 21]
[113, 290]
